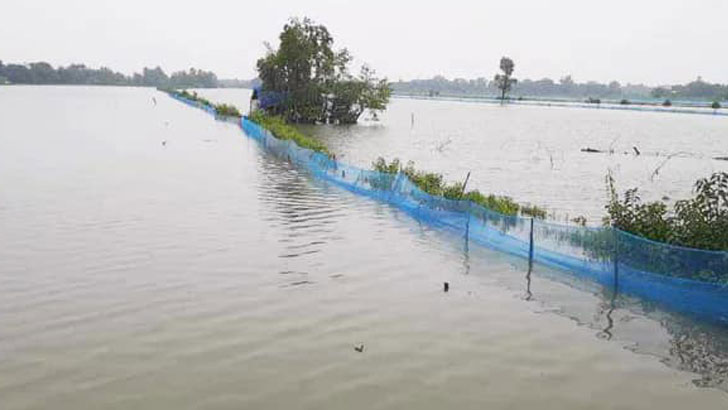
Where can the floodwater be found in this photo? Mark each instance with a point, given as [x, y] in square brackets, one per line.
[153, 258]
[533, 153]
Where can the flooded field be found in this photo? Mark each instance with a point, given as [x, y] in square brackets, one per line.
[151, 257]
[533, 154]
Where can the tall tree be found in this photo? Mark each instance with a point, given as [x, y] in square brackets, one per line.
[504, 81]
[313, 80]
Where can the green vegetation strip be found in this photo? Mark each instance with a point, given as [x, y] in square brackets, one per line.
[224, 110]
[282, 130]
[433, 184]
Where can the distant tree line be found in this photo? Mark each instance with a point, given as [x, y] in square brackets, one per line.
[237, 83]
[565, 87]
[697, 89]
[44, 73]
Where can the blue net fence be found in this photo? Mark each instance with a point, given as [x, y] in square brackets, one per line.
[690, 281]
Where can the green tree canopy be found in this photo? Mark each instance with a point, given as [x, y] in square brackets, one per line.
[314, 79]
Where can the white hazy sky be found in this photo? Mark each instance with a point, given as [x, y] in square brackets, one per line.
[650, 41]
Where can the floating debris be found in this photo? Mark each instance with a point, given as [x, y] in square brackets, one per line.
[359, 348]
[591, 150]
[446, 287]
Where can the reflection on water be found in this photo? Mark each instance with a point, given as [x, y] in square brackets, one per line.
[194, 275]
[691, 345]
[699, 349]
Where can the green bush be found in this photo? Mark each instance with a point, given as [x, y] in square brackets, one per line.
[187, 95]
[715, 105]
[278, 126]
[501, 204]
[533, 211]
[699, 222]
[227, 110]
[433, 184]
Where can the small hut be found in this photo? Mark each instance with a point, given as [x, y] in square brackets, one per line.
[269, 101]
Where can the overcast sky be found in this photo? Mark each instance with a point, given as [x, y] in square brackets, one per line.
[649, 41]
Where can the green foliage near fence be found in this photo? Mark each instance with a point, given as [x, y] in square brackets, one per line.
[282, 130]
[700, 222]
[227, 110]
[434, 184]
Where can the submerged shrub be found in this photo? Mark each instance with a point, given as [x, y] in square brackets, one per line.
[533, 211]
[381, 165]
[579, 220]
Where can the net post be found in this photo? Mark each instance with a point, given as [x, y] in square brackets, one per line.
[530, 247]
[467, 228]
[615, 257]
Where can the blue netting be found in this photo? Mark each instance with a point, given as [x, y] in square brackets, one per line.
[683, 279]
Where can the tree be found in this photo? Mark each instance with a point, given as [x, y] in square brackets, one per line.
[154, 77]
[659, 92]
[615, 88]
[352, 96]
[43, 73]
[193, 78]
[314, 80]
[504, 82]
